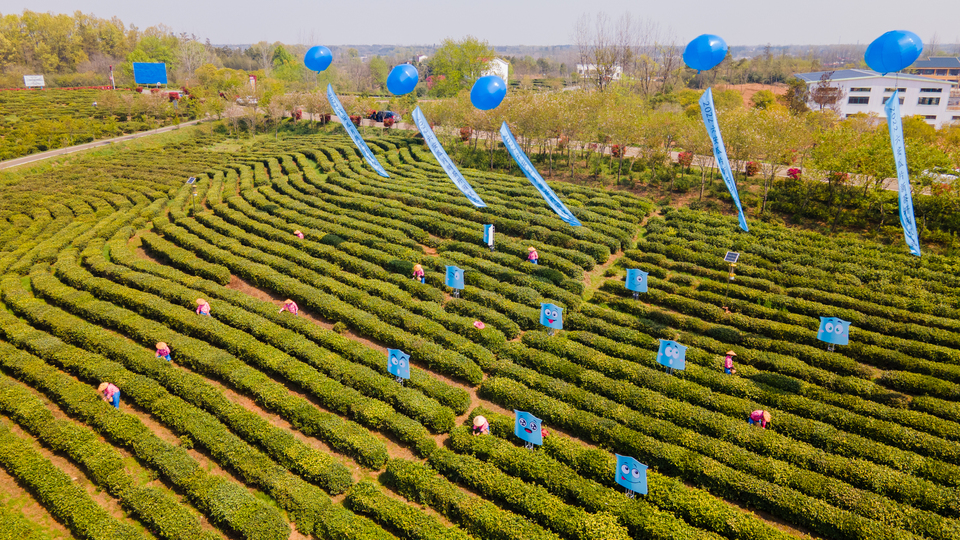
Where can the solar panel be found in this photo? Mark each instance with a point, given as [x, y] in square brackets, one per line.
[731, 257]
[191, 180]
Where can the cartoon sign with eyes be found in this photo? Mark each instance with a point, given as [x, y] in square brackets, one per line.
[398, 363]
[551, 316]
[528, 427]
[834, 331]
[672, 355]
[632, 475]
[636, 280]
[454, 277]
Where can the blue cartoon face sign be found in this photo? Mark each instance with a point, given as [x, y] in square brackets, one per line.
[454, 277]
[528, 427]
[551, 316]
[636, 280]
[834, 330]
[398, 363]
[631, 474]
[672, 354]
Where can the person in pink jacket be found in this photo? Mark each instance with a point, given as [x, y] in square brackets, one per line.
[481, 426]
[110, 394]
[532, 255]
[289, 305]
[298, 234]
[418, 273]
[759, 417]
[728, 363]
[203, 308]
[163, 351]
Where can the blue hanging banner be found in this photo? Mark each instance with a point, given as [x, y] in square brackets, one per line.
[488, 231]
[528, 169]
[444, 159]
[354, 134]
[709, 113]
[907, 218]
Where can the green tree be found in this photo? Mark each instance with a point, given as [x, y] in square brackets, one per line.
[796, 97]
[460, 63]
[379, 72]
[763, 99]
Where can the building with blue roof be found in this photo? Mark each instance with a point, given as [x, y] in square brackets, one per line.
[945, 68]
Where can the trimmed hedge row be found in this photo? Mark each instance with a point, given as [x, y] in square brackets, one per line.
[480, 518]
[160, 512]
[365, 498]
[724, 481]
[526, 499]
[16, 526]
[729, 426]
[587, 479]
[361, 379]
[758, 387]
[639, 517]
[238, 348]
[57, 492]
[328, 306]
[456, 398]
[226, 502]
[183, 259]
[330, 278]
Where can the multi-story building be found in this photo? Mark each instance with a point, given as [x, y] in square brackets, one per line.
[945, 68]
[866, 91]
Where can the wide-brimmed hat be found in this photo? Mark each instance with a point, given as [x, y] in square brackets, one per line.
[766, 416]
[201, 301]
[102, 387]
[531, 248]
[288, 301]
[297, 232]
[731, 353]
[161, 345]
[417, 267]
[479, 421]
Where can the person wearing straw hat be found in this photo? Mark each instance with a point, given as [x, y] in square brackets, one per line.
[481, 426]
[109, 393]
[418, 273]
[289, 305]
[532, 255]
[298, 234]
[203, 308]
[163, 351]
[728, 363]
[759, 417]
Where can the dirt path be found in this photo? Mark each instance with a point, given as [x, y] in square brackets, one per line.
[16, 499]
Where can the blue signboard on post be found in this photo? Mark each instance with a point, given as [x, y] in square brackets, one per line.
[150, 73]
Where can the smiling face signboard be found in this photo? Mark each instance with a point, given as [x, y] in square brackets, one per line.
[551, 316]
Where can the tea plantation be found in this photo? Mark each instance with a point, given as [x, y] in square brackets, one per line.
[268, 425]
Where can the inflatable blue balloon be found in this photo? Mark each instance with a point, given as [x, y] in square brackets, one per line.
[893, 51]
[488, 92]
[318, 58]
[705, 52]
[402, 79]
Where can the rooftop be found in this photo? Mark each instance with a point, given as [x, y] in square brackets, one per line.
[938, 62]
[853, 74]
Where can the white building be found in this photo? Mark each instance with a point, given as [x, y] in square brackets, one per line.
[866, 91]
[589, 71]
[498, 67]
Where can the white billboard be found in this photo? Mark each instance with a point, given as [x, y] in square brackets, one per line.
[33, 81]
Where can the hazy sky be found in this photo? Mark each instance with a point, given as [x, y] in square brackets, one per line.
[518, 22]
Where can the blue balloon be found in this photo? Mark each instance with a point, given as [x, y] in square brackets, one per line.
[893, 51]
[488, 92]
[402, 79]
[705, 52]
[318, 58]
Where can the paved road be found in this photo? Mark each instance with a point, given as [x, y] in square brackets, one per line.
[70, 149]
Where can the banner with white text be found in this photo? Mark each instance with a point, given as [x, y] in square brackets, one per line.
[354, 134]
[709, 113]
[534, 176]
[444, 159]
[907, 218]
